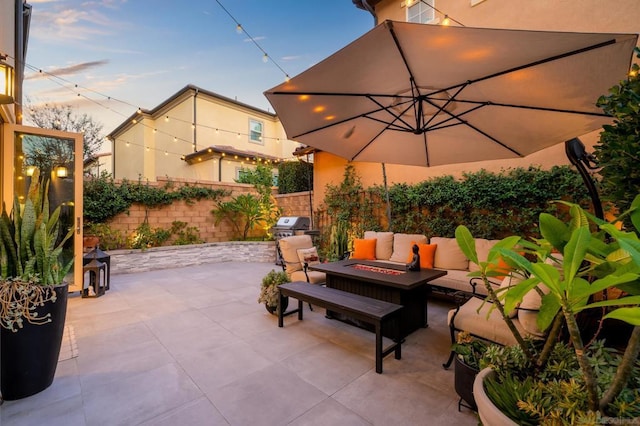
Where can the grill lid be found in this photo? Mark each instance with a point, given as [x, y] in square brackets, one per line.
[293, 222]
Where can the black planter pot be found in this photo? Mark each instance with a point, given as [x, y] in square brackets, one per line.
[464, 377]
[29, 357]
[274, 309]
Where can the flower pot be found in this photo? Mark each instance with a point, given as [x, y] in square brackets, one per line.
[489, 414]
[274, 309]
[464, 376]
[29, 357]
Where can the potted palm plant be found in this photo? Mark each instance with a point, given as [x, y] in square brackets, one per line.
[33, 296]
[269, 290]
[569, 267]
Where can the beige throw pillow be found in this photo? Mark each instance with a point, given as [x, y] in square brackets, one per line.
[448, 254]
[384, 243]
[402, 246]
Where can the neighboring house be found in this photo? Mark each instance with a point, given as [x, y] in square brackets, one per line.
[98, 164]
[621, 16]
[200, 135]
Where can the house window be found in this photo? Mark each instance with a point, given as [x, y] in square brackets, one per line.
[255, 131]
[419, 12]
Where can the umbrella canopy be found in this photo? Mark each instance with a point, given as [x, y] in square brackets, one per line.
[429, 95]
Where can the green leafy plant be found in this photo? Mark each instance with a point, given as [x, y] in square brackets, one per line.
[618, 152]
[145, 237]
[595, 256]
[104, 198]
[295, 176]
[244, 212]
[110, 239]
[262, 180]
[269, 287]
[185, 234]
[31, 243]
[469, 349]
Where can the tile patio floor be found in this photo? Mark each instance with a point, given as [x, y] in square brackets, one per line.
[191, 346]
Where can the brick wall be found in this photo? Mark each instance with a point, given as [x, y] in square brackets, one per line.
[199, 214]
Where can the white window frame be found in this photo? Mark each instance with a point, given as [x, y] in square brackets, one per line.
[421, 13]
[259, 139]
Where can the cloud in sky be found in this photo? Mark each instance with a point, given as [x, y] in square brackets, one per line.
[70, 70]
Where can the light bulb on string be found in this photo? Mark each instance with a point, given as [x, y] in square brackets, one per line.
[239, 29]
[265, 58]
[446, 21]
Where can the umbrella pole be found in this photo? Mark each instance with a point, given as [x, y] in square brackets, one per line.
[386, 195]
[579, 157]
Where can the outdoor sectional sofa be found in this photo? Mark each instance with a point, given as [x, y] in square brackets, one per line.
[436, 252]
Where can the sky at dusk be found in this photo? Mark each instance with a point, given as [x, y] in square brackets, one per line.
[123, 54]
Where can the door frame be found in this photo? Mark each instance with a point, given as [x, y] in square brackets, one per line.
[7, 152]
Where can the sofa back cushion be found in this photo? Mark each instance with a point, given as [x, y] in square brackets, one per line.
[384, 243]
[402, 244]
[448, 254]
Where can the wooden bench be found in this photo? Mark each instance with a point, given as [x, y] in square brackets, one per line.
[368, 310]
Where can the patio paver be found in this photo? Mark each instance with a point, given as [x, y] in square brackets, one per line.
[192, 346]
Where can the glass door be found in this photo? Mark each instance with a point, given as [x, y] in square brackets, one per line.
[57, 157]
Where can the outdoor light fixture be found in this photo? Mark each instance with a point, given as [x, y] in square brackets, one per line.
[62, 172]
[30, 170]
[6, 81]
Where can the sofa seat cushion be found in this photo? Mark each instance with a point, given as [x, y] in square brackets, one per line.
[457, 281]
[384, 243]
[448, 254]
[492, 328]
[402, 244]
[315, 277]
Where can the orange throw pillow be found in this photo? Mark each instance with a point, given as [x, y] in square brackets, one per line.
[427, 253]
[501, 267]
[364, 249]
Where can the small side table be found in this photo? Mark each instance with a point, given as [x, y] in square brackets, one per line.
[97, 279]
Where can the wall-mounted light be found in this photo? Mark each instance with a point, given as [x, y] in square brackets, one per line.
[7, 80]
[62, 172]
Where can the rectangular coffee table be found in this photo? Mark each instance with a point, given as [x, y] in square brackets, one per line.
[383, 281]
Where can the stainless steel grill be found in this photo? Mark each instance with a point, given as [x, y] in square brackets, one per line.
[288, 226]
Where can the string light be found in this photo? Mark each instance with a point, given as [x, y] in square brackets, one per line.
[447, 19]
[240, 29]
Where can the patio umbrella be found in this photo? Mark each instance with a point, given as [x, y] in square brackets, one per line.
[429, 95]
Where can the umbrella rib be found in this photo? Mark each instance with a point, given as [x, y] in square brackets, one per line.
[568, 111]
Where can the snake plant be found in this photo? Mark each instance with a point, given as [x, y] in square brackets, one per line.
[30, 238]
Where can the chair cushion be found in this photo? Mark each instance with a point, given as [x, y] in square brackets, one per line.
[289, 249]
[402, 244]
[427, 253]
[364, 249]
[384, 243]
[448, 255]
[477, 323]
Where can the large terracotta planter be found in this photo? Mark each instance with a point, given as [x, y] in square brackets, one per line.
[489, 414]
[29, 357]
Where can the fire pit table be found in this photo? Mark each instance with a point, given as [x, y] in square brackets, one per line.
[386, 282]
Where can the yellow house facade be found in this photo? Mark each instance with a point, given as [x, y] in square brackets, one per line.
[621, 16]
[198, 135]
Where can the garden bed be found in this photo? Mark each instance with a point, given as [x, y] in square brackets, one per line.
[129, 261]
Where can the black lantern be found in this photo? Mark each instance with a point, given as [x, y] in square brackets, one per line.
[100, 256]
